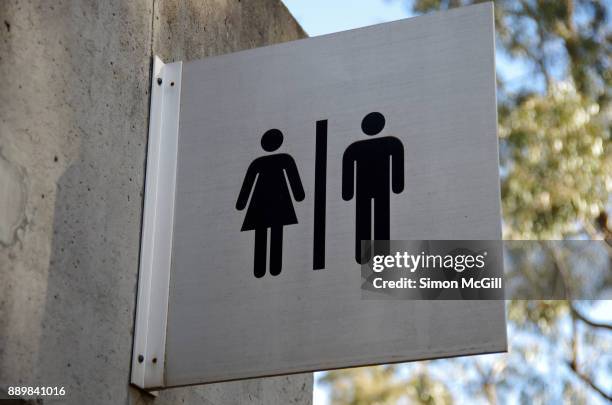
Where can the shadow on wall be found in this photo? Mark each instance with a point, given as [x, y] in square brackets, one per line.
[88, 320]
[85, 342]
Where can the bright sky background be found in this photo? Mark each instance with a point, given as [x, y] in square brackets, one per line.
[320, 17]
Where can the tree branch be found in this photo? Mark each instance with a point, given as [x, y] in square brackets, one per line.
[586, 320]
[602, 223]
[563, 271]
[589, 381]
[573, 364]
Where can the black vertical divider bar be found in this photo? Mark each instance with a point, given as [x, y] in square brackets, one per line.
[318, 251]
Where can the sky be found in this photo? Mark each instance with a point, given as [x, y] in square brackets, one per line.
[320, 17]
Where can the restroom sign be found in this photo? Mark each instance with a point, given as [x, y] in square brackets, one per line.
[267, 168]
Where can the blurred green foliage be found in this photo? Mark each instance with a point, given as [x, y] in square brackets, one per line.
[556, 164]
[383, 385]
[570, 36]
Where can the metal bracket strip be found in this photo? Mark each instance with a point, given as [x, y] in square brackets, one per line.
[156, 244]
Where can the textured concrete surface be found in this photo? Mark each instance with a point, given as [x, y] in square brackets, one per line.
[189, 29]
[73, 128]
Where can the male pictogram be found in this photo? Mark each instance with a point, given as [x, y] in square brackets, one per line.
[369, 169]
[271, 204]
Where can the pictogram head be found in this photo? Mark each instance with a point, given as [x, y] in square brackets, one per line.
[271, 140]
[373, 123]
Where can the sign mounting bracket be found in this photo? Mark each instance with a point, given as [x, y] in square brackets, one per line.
[148, 355]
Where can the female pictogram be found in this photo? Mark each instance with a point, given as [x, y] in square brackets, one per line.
[271, 204]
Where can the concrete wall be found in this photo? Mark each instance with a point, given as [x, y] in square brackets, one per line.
[73, 131]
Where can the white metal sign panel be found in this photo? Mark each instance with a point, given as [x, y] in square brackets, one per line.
[286, 157]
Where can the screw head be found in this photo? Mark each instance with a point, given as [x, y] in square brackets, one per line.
[159, 81]
[140, 358]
